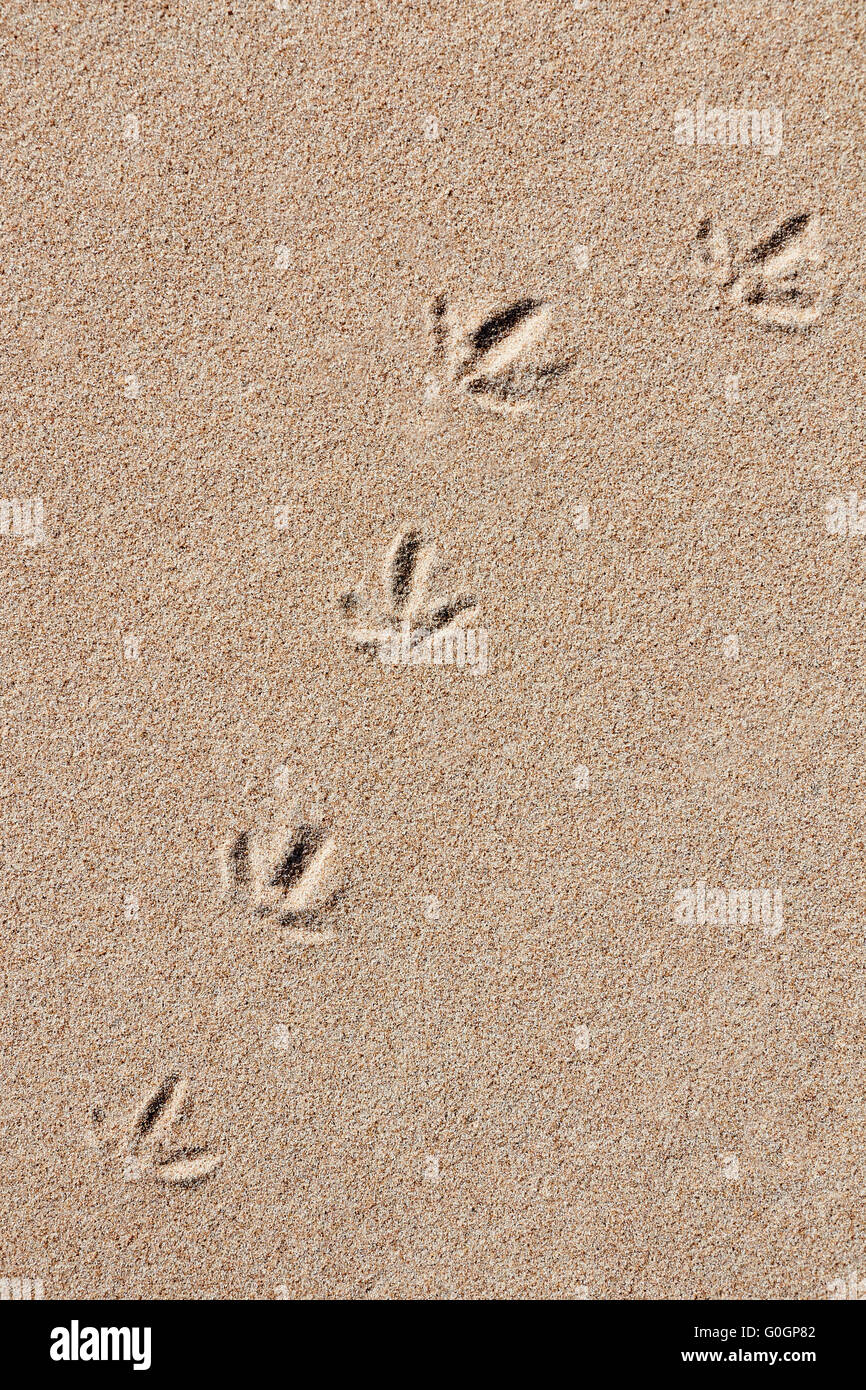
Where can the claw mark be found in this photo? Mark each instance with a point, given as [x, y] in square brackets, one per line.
[485, 359]
[297, 861]
[350, 603]
[287, 871]
[186, 1167]
[767, 282]
[509, 331]
[402, 573]
[445, 616]
[408, 565]
[439, 323]
[160, 1111]
[714, 252]
[144, 1147]
[513, 387]
[786, 235]
[239, 855]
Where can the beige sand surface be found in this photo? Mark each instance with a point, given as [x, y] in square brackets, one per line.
[482, 1059]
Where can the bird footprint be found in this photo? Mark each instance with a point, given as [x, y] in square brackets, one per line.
[410, 616]
[144, 1145]
[771, 282]
[484, 359]
[285, 871]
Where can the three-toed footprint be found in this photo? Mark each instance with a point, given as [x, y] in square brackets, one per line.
[483, 358]
[410, 617]
[775, 280]
[143, 1144]
[285, 871]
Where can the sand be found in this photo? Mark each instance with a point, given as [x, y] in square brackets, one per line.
[328, 975]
